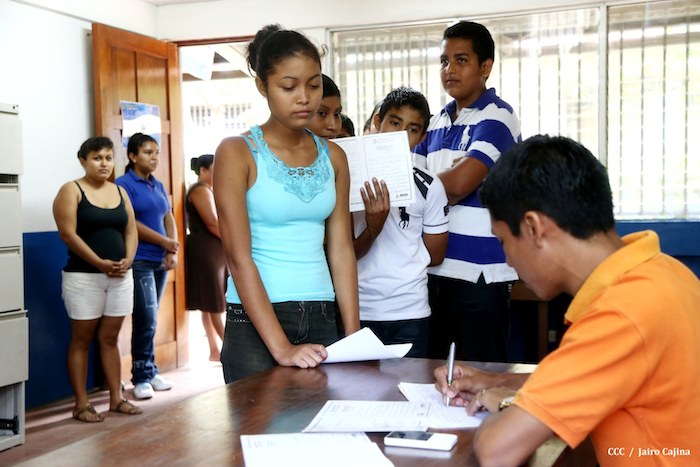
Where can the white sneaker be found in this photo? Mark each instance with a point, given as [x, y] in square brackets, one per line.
[160, 384]
[143, 391]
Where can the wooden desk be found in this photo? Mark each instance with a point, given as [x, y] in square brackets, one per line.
[206, 429]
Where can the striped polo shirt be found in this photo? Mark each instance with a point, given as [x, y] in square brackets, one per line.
[484, 130]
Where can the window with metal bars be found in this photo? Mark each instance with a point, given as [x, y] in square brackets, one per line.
[633, 100]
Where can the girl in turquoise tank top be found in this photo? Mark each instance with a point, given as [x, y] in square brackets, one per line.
[280, 191]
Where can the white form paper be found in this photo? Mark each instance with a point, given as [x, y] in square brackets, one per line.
[384, 156]
[371, 416]
[440, 416]
[312, 450]
[363, 345]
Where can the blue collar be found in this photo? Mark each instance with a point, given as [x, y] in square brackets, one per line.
[484, 99]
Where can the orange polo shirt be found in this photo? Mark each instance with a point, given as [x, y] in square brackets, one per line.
[627, 371]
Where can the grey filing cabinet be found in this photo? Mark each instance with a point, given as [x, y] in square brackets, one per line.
[14, 326]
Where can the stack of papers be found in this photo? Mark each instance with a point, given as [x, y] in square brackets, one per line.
[440, 416]
[312, 450]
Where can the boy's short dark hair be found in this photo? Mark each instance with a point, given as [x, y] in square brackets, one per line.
[94, 144]
[482, 42]
[401, 96]
[556, 176]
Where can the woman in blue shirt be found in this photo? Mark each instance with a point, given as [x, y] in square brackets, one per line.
[279, 191]
[156, 255]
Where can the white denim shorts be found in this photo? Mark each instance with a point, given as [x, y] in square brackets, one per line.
[93, 295]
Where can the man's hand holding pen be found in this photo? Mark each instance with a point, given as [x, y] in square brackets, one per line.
[465, 383]
[450, 370]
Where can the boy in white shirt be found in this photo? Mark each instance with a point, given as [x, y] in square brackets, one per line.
[395, 246]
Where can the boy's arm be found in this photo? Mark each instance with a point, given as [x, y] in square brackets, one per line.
[437, 246]
[463, 178]
[435, 219]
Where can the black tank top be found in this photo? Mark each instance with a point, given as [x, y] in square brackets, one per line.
[102, 230]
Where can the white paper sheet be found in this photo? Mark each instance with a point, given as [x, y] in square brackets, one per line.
[370, 416]
[440, 416]
[312, 450]
[363, 345]
[385, 156]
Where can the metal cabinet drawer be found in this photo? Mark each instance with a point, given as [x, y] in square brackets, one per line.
[14, 347]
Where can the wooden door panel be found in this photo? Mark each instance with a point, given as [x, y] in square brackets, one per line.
[137, 68]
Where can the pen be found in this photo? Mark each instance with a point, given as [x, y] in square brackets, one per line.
[450, 369]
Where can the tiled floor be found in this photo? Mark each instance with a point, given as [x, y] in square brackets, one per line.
[51, 427]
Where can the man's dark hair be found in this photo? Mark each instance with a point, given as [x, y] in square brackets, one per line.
[401, 96]
[556, 176]
[482, 42]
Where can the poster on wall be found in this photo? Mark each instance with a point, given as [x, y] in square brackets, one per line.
[138, 117]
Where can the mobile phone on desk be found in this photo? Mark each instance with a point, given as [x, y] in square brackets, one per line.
[421, 440]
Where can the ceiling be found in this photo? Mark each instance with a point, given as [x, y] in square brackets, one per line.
[172, 2]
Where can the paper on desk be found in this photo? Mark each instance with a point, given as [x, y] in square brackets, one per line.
[363, 345]
[370, 416]
[440, 416]
[312, 449]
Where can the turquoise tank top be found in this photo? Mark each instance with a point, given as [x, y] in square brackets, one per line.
[287, 209]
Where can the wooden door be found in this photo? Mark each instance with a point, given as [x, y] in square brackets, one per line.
[132, 67]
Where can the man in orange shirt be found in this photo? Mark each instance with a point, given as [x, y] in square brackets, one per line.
[626, 371]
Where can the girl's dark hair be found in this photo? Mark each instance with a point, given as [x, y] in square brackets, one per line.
[94, 144]
[330, 89]
[135, 142]
[369, 123]
[273, 44]
[347, 124]
[205, 160]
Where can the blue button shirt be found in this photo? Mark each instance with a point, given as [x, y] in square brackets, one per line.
[150, 202]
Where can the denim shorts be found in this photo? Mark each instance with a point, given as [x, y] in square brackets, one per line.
[88, 295]
[244, 353]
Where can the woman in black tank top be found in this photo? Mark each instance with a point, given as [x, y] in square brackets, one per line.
[96, 221]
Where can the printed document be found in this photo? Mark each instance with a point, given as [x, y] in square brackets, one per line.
[371, 416]
[440, 416]
[384, 156]
[312, 450]
[363, 345]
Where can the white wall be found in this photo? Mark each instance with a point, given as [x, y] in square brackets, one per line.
[46, 68]
[225, 18]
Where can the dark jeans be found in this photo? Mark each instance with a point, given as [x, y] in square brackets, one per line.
[403, 331]
[244, 352]
[473, 316]
[149, 282]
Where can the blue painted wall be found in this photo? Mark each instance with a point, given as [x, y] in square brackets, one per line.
[49, 327]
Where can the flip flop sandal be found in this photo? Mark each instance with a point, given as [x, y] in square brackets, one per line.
[88, 414]
[126, 408]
